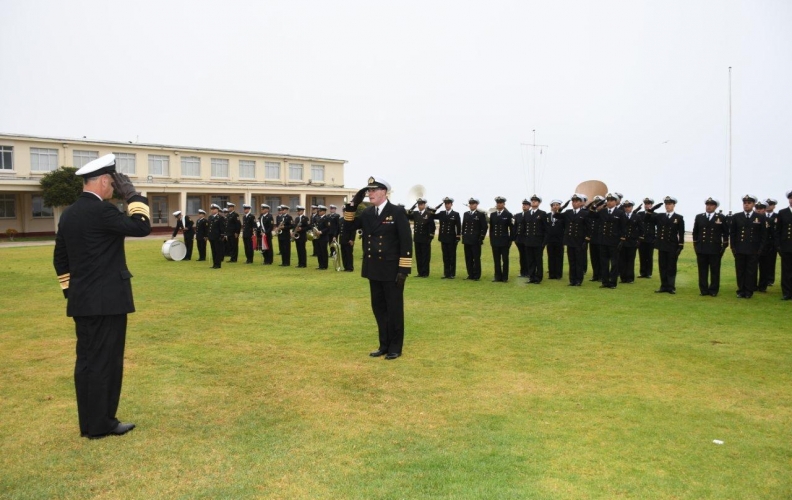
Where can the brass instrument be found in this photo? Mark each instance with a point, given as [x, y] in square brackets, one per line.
[313, 233]
[335, 247]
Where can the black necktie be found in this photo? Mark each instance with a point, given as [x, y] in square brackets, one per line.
[377, 211]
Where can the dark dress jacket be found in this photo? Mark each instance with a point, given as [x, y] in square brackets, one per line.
[89, 254]
[710, 237]
[748, 234]
[576, 227]
[474, 227]
[450, 226]
[634, 229]
[186, 225]
[670, 231]
[783, 231]
[387, 241]
[534, 228]
[424, 226]
[201, 226]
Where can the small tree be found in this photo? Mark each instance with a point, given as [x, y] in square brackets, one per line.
[61, 188]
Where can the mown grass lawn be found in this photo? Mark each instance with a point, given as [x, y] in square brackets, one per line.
[255, 382]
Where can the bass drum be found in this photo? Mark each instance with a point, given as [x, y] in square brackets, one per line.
[174, 250]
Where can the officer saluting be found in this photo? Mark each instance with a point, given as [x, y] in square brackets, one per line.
[646, 241]
[632, 234]
[710, 240]
[669, 243]
[575, 233]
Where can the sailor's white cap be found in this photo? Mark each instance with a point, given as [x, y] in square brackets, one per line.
[377, 183]
[177, 213]
[103, 165]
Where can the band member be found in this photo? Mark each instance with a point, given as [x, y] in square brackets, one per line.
[233, 228]
[748, 236]
[347, 245]
[783, 241]
[215, 234]
[286, 225]
[554, 242]
[450, 234]
[669, 242]
[265, 224]
[501, 236]
[91, 267]
[768, 253]
[632, 235]
[248, 226]
[185, 223]
[534, 221]
[301, 228]
[313, 220]
[612, 227]
[646, 242]
[474, 230]
[771, 214]
[226, 241]
[324, 226]
[201, 226]
[575, 235]
[387, 261]
[423, 233]
[710, 240]
[594, 241]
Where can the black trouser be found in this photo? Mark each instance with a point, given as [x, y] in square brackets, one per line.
[284, 245]
[709, 267]
[555, 261]
[267, 254]
[501, 257]
[247, 240]
[594, 251]
[521, 258]
[766, 269]
[201, 249]
[786, 274]
[188, 242]
[387, 303]
[346, 256]
[302, 255]
[667, 263]
[233, 248]
[449, 259]
[627, 264]
[609, 264]
[313, 247]
[423, 256]
[646, 258]
[577, 264]
[321, 254]
[218, 252]
[771, 260]
[746, 266]
[98, 371]
[473, 260]
[534, 263]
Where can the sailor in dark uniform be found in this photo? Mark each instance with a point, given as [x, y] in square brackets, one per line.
[768, 254]
[501, 237]
[594, 241]
[646, 242]
[301, 227]
[324, 226]
[201, 226]
[748, 232]
[215, 233]
[185, 223]
[575, 234]
[265, 224]
[347, 241]
[248, 227]
[535, 221]
[449, 236]
[669, 242]
[233, 228]
[312, 221]
[335, 228]
[387, 261]
[632, 235]
[772, 217]
[612, 228]
[710, 240]
[554, 242]
[519, 237]
[423, 233]
[474, 230]
[91, 266]
[286, 225]
[783, 241]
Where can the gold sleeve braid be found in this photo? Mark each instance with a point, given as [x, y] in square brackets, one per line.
[138, 208]
[405, 262]
[64, 280]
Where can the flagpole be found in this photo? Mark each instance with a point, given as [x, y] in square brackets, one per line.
[730, 143]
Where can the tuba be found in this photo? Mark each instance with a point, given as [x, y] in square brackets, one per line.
[336, 251]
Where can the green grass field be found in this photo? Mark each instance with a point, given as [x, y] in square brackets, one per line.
[255, 382]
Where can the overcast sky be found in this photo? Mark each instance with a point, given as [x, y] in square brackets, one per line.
[442, 94]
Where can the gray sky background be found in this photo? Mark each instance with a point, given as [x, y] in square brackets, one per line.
[440, 93]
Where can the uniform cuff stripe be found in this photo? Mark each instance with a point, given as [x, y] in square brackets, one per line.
[138, 208]
[405, 262]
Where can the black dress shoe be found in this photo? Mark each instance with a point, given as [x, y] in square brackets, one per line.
[672, 292]
[740, 295]
[377, 353]
[703, 294]
[595, 279]
[714, 294]
[392, 355]
[786, 297]
[120, 430]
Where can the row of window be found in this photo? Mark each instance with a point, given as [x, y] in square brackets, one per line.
[8, 207]
[46, 160]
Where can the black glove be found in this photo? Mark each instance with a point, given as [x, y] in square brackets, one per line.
[438, 207]
[655, 207]
[358, 198]
[123, 186]
[563, 206]
[400, 279]
[679, 250]
[413, 207]
[65, 293]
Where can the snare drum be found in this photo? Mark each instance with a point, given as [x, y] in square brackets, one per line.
[174, 250]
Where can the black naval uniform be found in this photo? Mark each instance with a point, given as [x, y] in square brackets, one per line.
[387, 252]
[248, 226]
[594, 248]
[554, 242]
[632, 235]
[284, 238]
[347, 241]
[324, 224]
[646, 247]
[474, 230]
[423, 232]
[201, 226]
[767, 258]
[501, 236]
[185, 223]
[215, 234]
[265, 235]
[783, 241]
[669, 242]
[519, 242]
[771, 259]
[576, 230]
[710, 239]
[450, 233]
[335, 230]
[534, 244]
[612, 226]
[748, 236]
[313, 220]
[91, 265]
[301, 227]
[233, 228]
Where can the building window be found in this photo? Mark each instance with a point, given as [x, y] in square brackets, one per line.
[191, 167]
[43, 160]
[318, 200]
[7, 206]
[293, 202]
[317, 173]
[273, 202]
[159, 210]
[247, 169]
[295, 171]
[159, 165]
[125, 163]
[220, 168]
[193, 204]
[6, 157]
[83, 157]
[272, 171]
[39, 210]
[220, 201]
